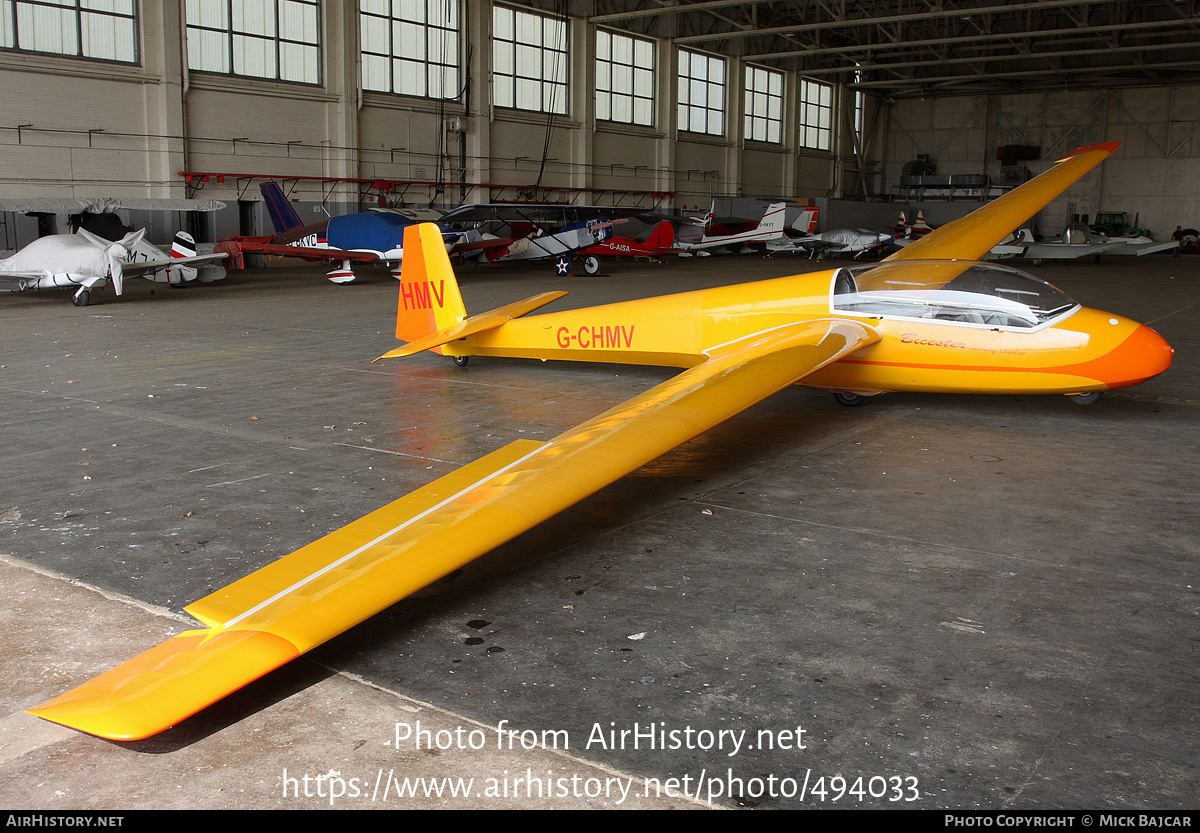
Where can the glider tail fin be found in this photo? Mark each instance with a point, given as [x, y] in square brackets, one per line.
[429, 298]
[430, 314]
[283, 215]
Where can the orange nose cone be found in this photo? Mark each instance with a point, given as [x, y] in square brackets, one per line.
[1142, 356]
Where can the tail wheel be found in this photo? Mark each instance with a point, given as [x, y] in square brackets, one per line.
[591, 265]
[461, 361]
[1086, 398]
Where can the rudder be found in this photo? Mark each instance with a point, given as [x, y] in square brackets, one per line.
[662, 237]
[283, 215]
[429, 296]
[772, 220]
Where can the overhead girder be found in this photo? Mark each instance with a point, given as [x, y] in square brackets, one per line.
[901, 46]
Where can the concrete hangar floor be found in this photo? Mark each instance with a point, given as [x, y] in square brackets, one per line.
[970, 601]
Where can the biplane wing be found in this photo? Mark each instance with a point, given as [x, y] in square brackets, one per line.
[304, 599]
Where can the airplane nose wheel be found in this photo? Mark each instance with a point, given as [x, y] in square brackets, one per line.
[850, 400]
[1086, 398]
[461, 361]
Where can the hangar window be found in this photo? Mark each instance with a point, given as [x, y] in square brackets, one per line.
[529, 61]
[275, 39]
[410, 47]
[701, 93]
[624, 78]
[102, 29]
[816, 115]
[764, 105]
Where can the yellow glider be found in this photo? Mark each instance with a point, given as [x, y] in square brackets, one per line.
[916, 322]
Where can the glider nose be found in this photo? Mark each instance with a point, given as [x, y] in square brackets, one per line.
[1142, 356]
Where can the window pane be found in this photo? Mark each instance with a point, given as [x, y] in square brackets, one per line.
[502, 23]
[208, 51]
[502, 59]
[409, 40]
[47, 30]
[298, 22]
[208, 13]
[374, 35]
[408, 78]
[253, 56]
[529, 29]
[643, 111]
[412, 10]
[376, 73]
[255, 17]
[643, 83]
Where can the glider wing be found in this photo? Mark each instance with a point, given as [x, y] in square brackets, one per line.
[971, 237]
[293, 605]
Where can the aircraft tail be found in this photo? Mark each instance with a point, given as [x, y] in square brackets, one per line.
[430, 313]
[429, 296]
[772, 221]
[283, 215]
[184, 245]
[806, 223]
[662, 236]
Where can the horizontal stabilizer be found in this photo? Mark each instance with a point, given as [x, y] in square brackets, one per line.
[475, 324]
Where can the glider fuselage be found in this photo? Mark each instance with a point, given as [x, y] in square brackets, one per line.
[1079, 350]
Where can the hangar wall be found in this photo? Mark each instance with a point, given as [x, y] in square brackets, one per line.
[1153, 174]
[85, 128]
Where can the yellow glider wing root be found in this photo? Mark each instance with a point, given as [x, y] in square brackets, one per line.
[973, 236]
[318, 592]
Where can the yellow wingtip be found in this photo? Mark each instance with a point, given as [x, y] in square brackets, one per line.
[168, 683]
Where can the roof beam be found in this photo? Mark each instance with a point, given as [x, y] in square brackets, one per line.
[1038, 33]
[966, 12]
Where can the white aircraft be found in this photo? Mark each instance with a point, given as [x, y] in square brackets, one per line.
[1021, 243]
[715, 235]
[856, 242]
[85, 261]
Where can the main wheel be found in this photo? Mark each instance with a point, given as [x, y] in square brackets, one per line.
[591, 265]
[850, 400]
[461, 361]
[81, 298]
[1086, 398]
